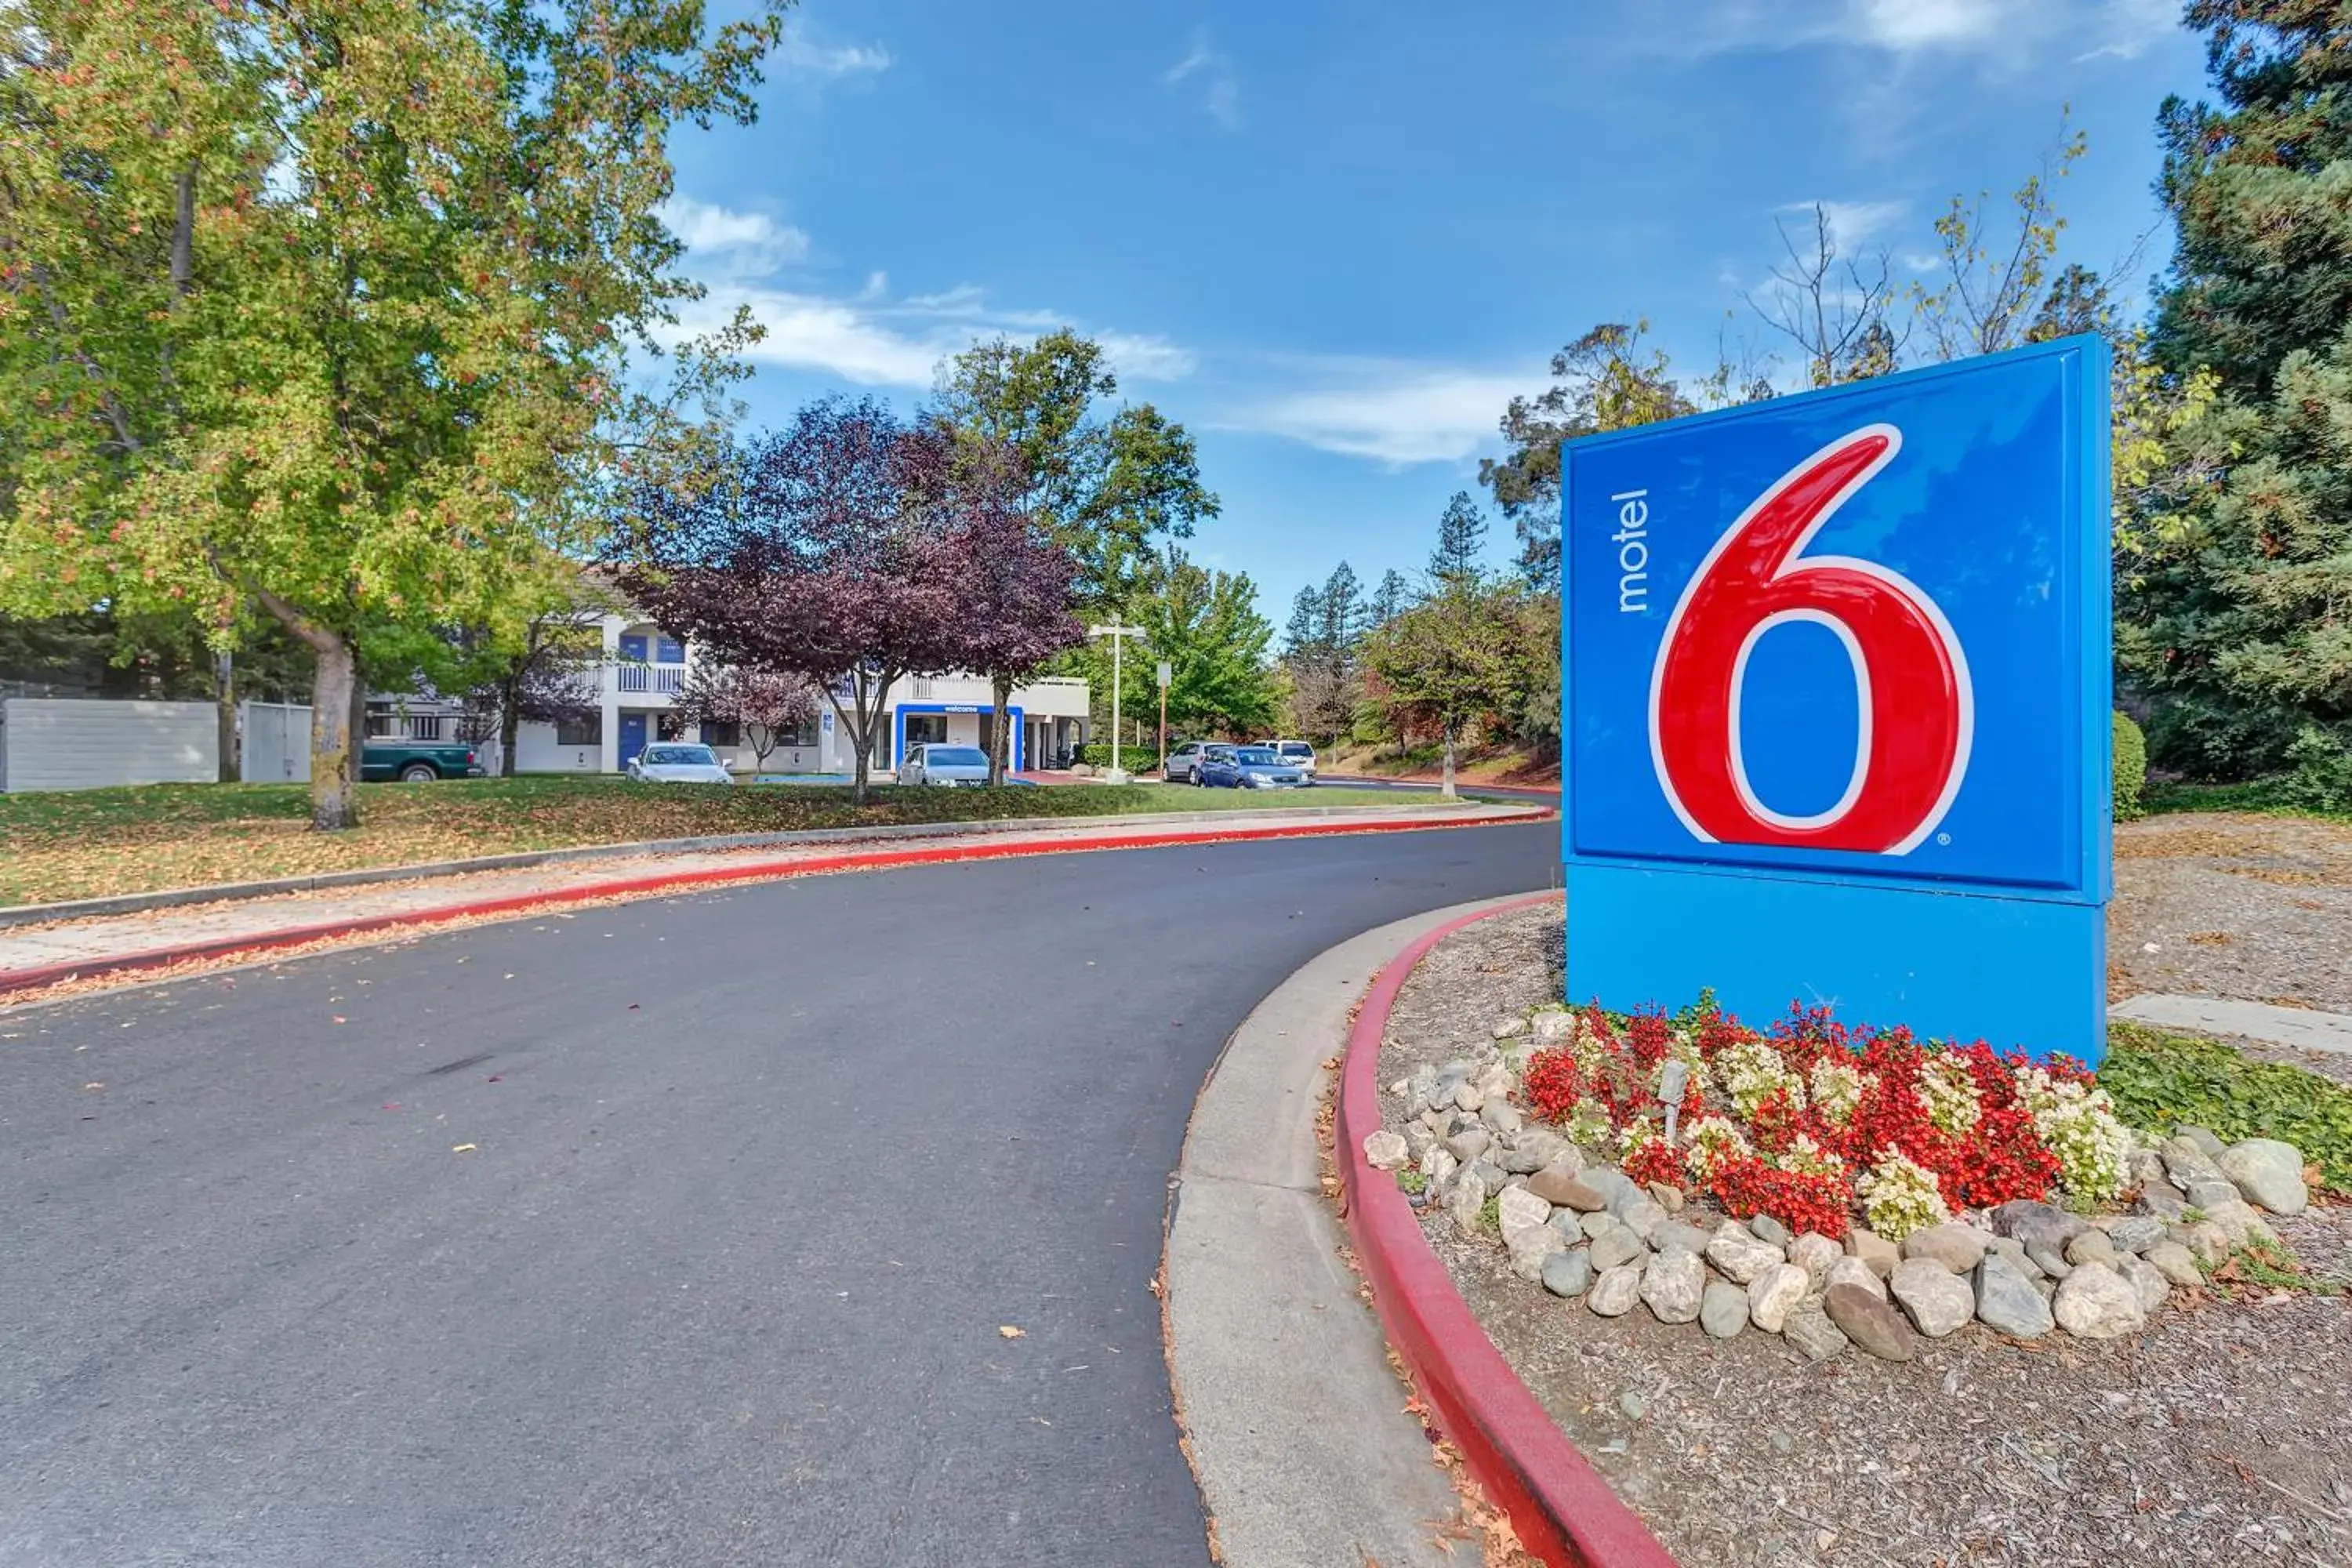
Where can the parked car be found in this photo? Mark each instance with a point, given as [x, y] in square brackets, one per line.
[1245, 767]
[1182, 759]
[668, 761]
[1298, 754]
[932, 764]
[416, 761]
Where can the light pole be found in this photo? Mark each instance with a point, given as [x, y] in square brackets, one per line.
[1119, 635]
[1165, 672]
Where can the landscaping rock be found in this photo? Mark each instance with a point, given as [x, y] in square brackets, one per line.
[1494, 1176]
[1547, 1148]
[2209, 1193]
[1874, 1249]
[1671, 1285]
[1464, 1196]
[1615, 1188]
[1764, 1228]
[1505, 1028]
[1531, 1247]
[2206, 1241]
[1502, 1117]
[2147, 1170]
[1418, 1141]
[1814, 1253]
[1385, 1151]
[2176, 1263]
[1642, 1216]
[1614, 1293]
[1596, 1226]
[2008, 1301]
[1439, 1167]
[2164, 1203]
[1936, 1301]
[2268, 1173]
[2030, 1222]
[2095, 1302]
[2206, 1141]
[1517, 1160]
[1679, 1233]
[1854, 1272]
[1494, 1082]
[2146, 1282]
[1774, 1294]
[2136, 1232]
[1722, 1309]
[2238, 1222]
[1568, 1274]
[1870, 1321]
[1667, 1198]
[2049, 1256]
[1617, 1249]
[1553, 1028]
[1559, 1182]
[1809, 1330]
[2188, 1164]
[1739, 1254]
[2091, 1246]
[1520, 1210]
[1468, 1095]
[1469, 1144]
[1957, 1246]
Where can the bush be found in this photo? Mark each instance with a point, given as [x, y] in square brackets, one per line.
[1134, 758]
[2202, 738]
[2322, 779]
[2130, 769]
[2162, 1081]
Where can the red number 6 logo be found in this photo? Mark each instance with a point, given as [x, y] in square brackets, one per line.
[1918, 715]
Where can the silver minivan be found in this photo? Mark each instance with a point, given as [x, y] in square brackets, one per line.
[1298, 754]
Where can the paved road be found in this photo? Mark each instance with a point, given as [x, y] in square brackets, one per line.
[754, 1179]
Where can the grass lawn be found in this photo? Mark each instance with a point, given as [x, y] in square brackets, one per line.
[2263, 796]
[86, 843]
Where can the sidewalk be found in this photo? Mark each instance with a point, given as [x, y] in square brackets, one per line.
[34, 955]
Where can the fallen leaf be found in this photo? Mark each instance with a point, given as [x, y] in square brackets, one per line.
[338, 1018]
[93, 1086]
[495, 1077]
[1008, 1332]
[461, 1148]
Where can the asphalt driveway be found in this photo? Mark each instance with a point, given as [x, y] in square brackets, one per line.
[677, 1233]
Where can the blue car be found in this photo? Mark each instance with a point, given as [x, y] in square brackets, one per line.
[1245, 767]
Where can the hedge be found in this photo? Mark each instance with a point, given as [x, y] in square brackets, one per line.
[1134, 758]
[2130, 769]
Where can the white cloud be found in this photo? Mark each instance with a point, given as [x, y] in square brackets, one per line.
[1853, 224]
[1221, 93]
[2007, 31]
[1139, 356]
[1393, 412]
[801, 53]
[734, 240]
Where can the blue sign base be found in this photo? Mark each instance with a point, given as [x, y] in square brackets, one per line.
[1951, 966]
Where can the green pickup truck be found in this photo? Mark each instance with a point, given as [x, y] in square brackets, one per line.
[415, 761]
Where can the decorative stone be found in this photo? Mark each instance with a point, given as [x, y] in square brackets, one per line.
[1614, 1187]
[2050, 1256]
[2209, 1193]
[2008, 1301]
[1774, 1293]
[1559, 1182]
[1667, 1198]
[1671, 1285]
[2095, 1302]
[2136, 1232]
[1385, 1151]
[2206, 1241]
[2147, 1282]
[1494, 1176]
[1809, 1330]
[2188, 1164]
[1739, 1254]
[1553, 1026]
[2206, 1141]
[1853, 1271]
[1531, 1247]
[1936, 1301]
[2091, 1246]
[1494, 1082]
[1518, 1209]
[1870, 1321]
[1764, 1228]
[1814, 1253]
[1567, 1274]
[1679, 1233]
[1617, 1249]
[1957, 1246]
[1642, 1216]
[2176, 1263]
[2268, 1173]
[2238, 1221]
[2164, 1203]
[1439, 1167]
[2147, 1170]
[1502, 1117]
[1614, 1293]
[1468, 1095]
[1596, 1226]
[1517, 1160]
[1469, 1144]
[1722, 1309]
[1505, 1028]
[1547, 1148]
[1874, 1249]
[1464, 1197]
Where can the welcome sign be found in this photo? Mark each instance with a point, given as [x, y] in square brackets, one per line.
[1835, 698]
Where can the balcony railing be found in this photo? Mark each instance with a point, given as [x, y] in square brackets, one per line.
[662, 678]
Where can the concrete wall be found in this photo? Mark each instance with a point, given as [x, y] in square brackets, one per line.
[64, 743]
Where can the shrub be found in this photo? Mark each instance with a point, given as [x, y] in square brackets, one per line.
[2162, 1081]
[2130, 769]
[2322, 779]
[1134, 758]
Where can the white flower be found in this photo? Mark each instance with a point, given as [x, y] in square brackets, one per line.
[1899, 1196]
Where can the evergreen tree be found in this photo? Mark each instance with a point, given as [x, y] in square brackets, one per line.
[1340, 624]
[2234, 616]
[1390, 600]
[1461, 534]
[1301, 637]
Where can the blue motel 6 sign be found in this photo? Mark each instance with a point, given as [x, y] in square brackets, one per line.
[1835, 703]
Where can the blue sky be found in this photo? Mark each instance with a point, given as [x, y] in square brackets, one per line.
[1334, 239]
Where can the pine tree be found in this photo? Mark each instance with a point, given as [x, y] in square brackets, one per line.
[1390, 600]
[1340, 623]
[1300, 637]
[1461, 534]
[2237, 619]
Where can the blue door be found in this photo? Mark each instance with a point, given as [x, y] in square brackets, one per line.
[633, 737]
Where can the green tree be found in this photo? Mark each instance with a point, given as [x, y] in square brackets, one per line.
[1109, 489]
[1206, 624]
[1388, 600]
[1460, 535]
[326, 307]
[1457, 659]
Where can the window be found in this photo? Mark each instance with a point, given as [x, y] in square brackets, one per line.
[669, 651]
[680, 756]
[721, 732]
[588, 731]
[668, 727]
[954, 757]
[632, 646]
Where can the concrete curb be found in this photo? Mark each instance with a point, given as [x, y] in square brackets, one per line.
[225, 892]
[16, 980]
[1564, 1511]
[1287, 1403]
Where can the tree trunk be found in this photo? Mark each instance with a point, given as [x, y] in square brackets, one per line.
[509, 726]
[1446, 789]
[334, 746]
[1000, 743]
[225, 698]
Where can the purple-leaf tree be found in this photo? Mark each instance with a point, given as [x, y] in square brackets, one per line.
[821, 552]
[766, 705]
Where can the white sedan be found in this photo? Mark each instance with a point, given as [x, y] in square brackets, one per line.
[938, 764]
[669, 764]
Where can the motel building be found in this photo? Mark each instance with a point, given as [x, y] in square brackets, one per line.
[644, 668]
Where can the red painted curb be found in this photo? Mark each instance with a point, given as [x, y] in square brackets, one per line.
[14, 980]
[1563, 1510]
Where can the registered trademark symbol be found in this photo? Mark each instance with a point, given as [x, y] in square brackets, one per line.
[1943, 839]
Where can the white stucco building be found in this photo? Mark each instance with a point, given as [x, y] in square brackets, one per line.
[644, 668]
